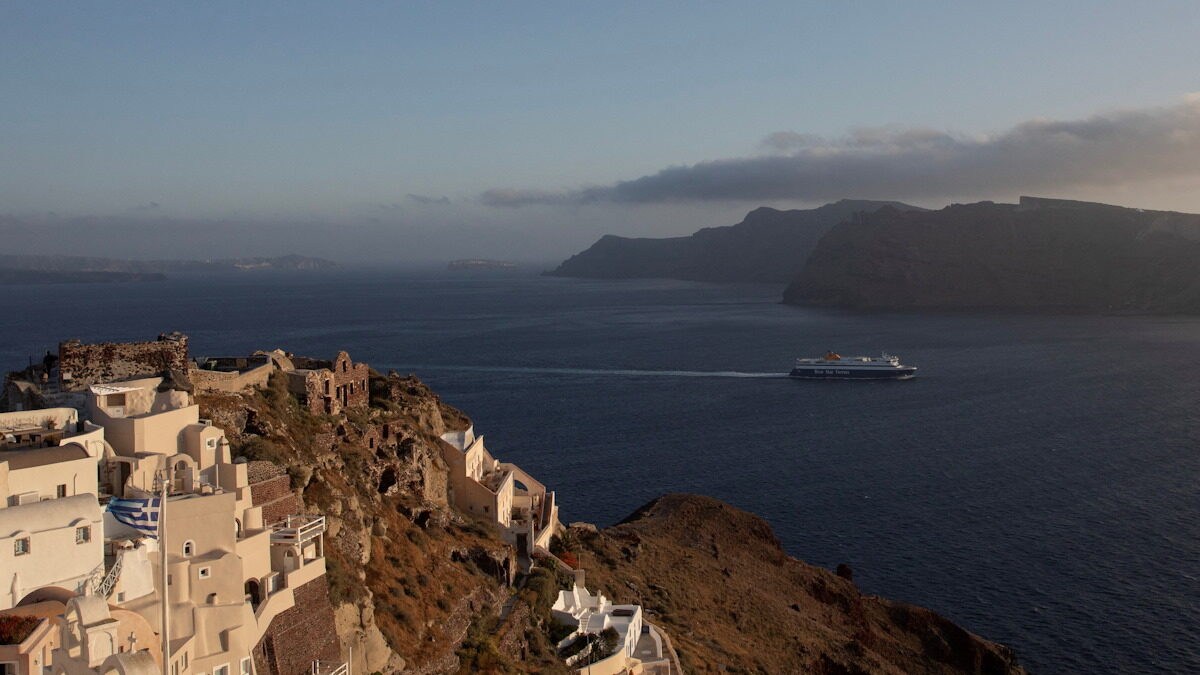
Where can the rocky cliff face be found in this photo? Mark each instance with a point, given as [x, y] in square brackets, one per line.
[409, 578]
[1041, 254]
[718, 581]
[419, 588]
[768, 246]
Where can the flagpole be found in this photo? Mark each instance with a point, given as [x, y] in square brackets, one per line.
[162, 549]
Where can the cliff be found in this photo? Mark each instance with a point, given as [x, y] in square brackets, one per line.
[418, 587]
[718, 581]
[1042, 254]
[409, 578]
[767, 246]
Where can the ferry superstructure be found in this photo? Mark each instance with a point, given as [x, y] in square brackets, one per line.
[833, 367]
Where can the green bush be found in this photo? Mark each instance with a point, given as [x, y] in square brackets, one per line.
[545, 589]
[559, 631]
[608, 641]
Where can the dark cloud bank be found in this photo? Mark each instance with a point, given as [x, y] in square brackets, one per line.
[1103, 150]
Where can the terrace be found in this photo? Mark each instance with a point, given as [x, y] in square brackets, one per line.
[297, 529]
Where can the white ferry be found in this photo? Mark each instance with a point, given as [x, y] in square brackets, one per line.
[833, 367]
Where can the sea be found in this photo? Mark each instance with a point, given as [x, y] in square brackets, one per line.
[1038, 482]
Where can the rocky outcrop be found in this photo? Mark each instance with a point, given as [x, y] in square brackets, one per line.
[416, 587]
[767, 246]
[1042, 254]
[407, 575]
[717, 579]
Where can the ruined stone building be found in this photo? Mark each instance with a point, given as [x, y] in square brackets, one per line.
[329, 387]
[81, 365]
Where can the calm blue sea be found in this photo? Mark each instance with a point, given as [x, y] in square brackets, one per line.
[1038, 482]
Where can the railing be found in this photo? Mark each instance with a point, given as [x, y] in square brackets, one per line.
[297, 529]
[91, 581]
[110, 580]
[329, 668]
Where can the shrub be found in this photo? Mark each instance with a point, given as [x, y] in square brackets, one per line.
[16, 629]
[560, 631]
[545, 587]
[608, 641]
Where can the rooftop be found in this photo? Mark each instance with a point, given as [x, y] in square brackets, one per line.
[28, 458]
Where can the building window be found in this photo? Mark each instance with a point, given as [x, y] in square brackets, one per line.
[189, 548]
[246, 667]
[83, 534]
[211, 444]
[221, 670]
[204, 572]
[8, 668]
[114, 400]
[61, 491]
[21, 546]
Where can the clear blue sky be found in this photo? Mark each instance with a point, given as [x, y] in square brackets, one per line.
[333, 113]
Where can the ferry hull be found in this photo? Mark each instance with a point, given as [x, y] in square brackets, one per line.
[835, 373]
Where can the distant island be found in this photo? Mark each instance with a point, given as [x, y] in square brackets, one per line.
[481, 264]
[13, 277]
[55, 269]
[1040, 254]
[768, 246]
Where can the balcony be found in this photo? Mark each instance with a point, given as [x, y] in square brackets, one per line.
[329, 668]
[295, 530]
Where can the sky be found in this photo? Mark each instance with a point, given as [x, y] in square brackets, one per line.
[423, 131]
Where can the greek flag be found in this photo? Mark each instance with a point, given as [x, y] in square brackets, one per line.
[140, 514]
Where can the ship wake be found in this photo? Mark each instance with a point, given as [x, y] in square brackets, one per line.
[616, 372]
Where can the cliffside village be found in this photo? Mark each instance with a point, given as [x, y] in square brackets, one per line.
[132, 542]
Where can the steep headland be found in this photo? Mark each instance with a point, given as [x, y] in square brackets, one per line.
[767, 246]
[717, 579]
[1041, 254]
[420, 587]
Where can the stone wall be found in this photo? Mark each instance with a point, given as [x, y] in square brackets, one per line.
[300, 635]
[276, 498]
[230, 381]
[82, 365]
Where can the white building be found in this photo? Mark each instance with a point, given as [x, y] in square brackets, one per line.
[47, 454]
[57, 543]
[501, 492]
[229, 574]
[639, 647]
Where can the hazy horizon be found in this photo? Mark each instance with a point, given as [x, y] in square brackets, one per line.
[381, 133]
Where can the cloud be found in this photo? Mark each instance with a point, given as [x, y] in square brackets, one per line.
[150, 206]
[1111, 149]
[510, 197]
[426, 199]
